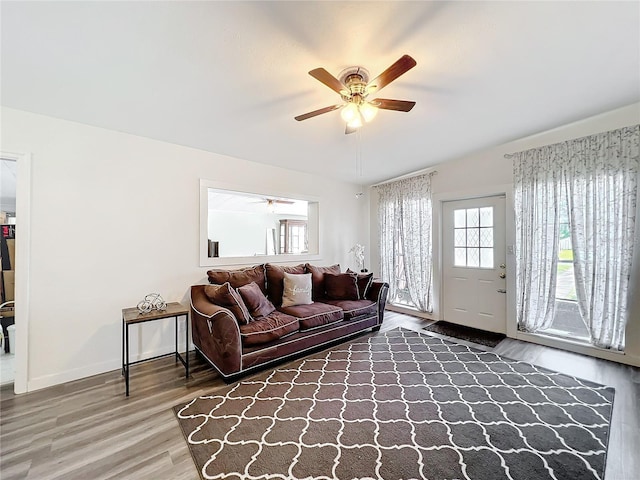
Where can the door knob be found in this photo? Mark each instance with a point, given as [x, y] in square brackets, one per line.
[503, 266]
[502, 275]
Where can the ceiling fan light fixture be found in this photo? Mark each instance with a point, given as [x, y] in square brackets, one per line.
[356, 122]
[349, 112]
[368, 111]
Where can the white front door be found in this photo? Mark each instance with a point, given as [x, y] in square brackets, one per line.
[473, 263]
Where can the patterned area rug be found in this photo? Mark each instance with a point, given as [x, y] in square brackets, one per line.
[468, 334]
[399, 405]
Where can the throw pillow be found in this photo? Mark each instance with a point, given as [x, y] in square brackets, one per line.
[257, 304]
[275, 279]
[364, 282]
[317, 278]
[297, 289]
[239, 277]
[225, 296]
[343, 286]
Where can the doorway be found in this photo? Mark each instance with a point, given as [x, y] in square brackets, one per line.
[474, 263]
[8, 185]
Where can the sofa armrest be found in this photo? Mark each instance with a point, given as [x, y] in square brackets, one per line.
[378, 292]
[215, 333]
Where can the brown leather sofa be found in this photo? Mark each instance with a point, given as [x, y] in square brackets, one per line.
[249, 318]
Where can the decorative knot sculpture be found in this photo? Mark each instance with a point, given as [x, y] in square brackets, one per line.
[152, 301]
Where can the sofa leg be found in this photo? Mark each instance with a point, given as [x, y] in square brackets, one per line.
[376, 328]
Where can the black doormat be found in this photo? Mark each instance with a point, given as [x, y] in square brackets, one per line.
[468, 334]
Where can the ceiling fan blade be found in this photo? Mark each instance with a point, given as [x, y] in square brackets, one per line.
[397, 105]
[315, 113]
[401, 66]
[329, 80]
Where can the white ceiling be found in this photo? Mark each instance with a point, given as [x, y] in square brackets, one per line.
[228, 77]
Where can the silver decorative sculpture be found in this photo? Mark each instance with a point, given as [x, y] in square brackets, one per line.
[152, 301]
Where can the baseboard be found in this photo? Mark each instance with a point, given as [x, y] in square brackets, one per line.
[85, 371]
[45, 381]
[410, 311]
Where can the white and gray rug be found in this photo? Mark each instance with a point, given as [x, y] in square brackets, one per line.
[401, 405]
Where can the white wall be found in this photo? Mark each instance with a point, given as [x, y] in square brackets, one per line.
[488, 172]
[115, 216]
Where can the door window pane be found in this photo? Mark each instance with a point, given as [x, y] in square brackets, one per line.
[486, 257]
[486, 217]
[473, 237]
[473, 219]
[473, 257]
[486, 237]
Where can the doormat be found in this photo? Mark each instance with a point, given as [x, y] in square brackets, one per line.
[398, 405]
[468, 334]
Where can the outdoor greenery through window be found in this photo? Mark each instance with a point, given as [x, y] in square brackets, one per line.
[567, 321]
[565, 287]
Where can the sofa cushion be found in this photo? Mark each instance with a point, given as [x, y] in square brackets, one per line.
[257, 304]
[317, 278]
[297, 289]
[240, 277]
[343, 286]
[364, 282]
[314, 315]
[225, 296]
[275, 280]
[268, 328]
[355, 308]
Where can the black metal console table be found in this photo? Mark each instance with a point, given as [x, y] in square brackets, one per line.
[131, 316]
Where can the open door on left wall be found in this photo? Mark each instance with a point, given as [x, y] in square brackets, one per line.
[7, 268]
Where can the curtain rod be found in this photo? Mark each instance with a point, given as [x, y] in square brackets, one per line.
[562, 142]
[429, 171]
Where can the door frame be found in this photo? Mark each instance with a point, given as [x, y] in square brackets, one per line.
[468, 194]
[23, 255]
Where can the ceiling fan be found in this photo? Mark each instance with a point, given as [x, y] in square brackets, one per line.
[273, 201]
[354, 87]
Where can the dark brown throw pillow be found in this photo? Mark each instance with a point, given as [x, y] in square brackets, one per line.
[257, 304]
[225, 296]
[275, 280]
[317, 279]
[239, 277]
[343, 286]
[364, 282]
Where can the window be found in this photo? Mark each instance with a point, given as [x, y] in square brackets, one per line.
[473, 237]
[404, 214]
[293, 236]
[565, 286]
[567, 321]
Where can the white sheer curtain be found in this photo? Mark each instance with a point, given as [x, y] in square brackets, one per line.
[404, 213]
[537, 176]
[601, 176]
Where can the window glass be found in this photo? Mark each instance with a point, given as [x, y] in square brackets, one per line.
[473, 237]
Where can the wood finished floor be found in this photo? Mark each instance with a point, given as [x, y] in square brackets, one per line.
[88, 429]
